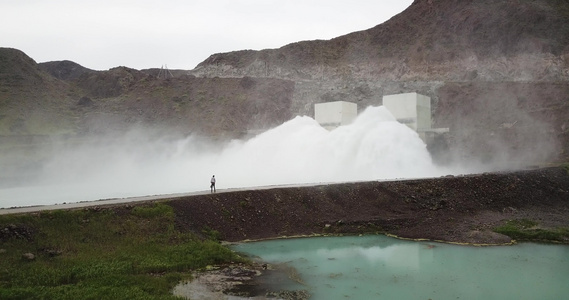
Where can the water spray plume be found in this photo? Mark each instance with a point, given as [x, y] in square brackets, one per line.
[374, 147]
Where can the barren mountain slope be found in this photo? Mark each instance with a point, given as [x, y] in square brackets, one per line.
[485, 65]
[31, 101]
[431, 40]
[64, 70]
[82, 101]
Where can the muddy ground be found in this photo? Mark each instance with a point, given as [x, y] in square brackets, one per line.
[461, 209]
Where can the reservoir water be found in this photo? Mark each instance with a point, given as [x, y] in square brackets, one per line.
[381, 267]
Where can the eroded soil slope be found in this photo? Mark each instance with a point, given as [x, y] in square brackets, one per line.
[452, 209]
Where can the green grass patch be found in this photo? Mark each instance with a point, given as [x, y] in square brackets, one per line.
[101, 254]
[566, 166]
[528, 230]
[211, 234]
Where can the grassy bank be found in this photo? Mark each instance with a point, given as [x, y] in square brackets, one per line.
[531, 231]
[127, 253]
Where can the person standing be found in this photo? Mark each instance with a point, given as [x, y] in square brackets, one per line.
[212, 186]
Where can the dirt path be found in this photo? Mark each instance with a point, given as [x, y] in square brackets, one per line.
[119, 201]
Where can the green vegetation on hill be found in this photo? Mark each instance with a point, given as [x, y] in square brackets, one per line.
[128, 253]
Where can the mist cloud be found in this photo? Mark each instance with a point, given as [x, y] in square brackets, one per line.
[374, 147]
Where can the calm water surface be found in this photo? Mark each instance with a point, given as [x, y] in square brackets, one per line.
[380, 267]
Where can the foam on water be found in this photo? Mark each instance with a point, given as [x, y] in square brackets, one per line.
[374, 147]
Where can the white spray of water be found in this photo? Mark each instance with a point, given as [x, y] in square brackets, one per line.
[374, 147]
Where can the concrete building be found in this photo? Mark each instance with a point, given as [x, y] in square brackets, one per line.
[333, 114]
[413, 110]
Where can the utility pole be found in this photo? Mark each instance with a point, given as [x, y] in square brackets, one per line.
[164, 73]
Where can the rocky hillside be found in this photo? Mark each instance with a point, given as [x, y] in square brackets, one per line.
[64, 70]
[31, 101]
[444, 40]
[497, 73]
[64, 98]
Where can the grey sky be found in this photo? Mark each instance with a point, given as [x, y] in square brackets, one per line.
[102, 34]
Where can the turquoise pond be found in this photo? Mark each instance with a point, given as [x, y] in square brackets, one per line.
[381, 267]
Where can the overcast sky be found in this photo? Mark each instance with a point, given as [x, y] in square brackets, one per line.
[140, 34]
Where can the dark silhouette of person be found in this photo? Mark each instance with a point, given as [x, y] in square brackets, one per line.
[212, 186]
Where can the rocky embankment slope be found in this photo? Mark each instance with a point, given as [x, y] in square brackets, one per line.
[461, 209]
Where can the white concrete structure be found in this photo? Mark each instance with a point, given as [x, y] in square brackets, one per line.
[333, 114]
[413, 110]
